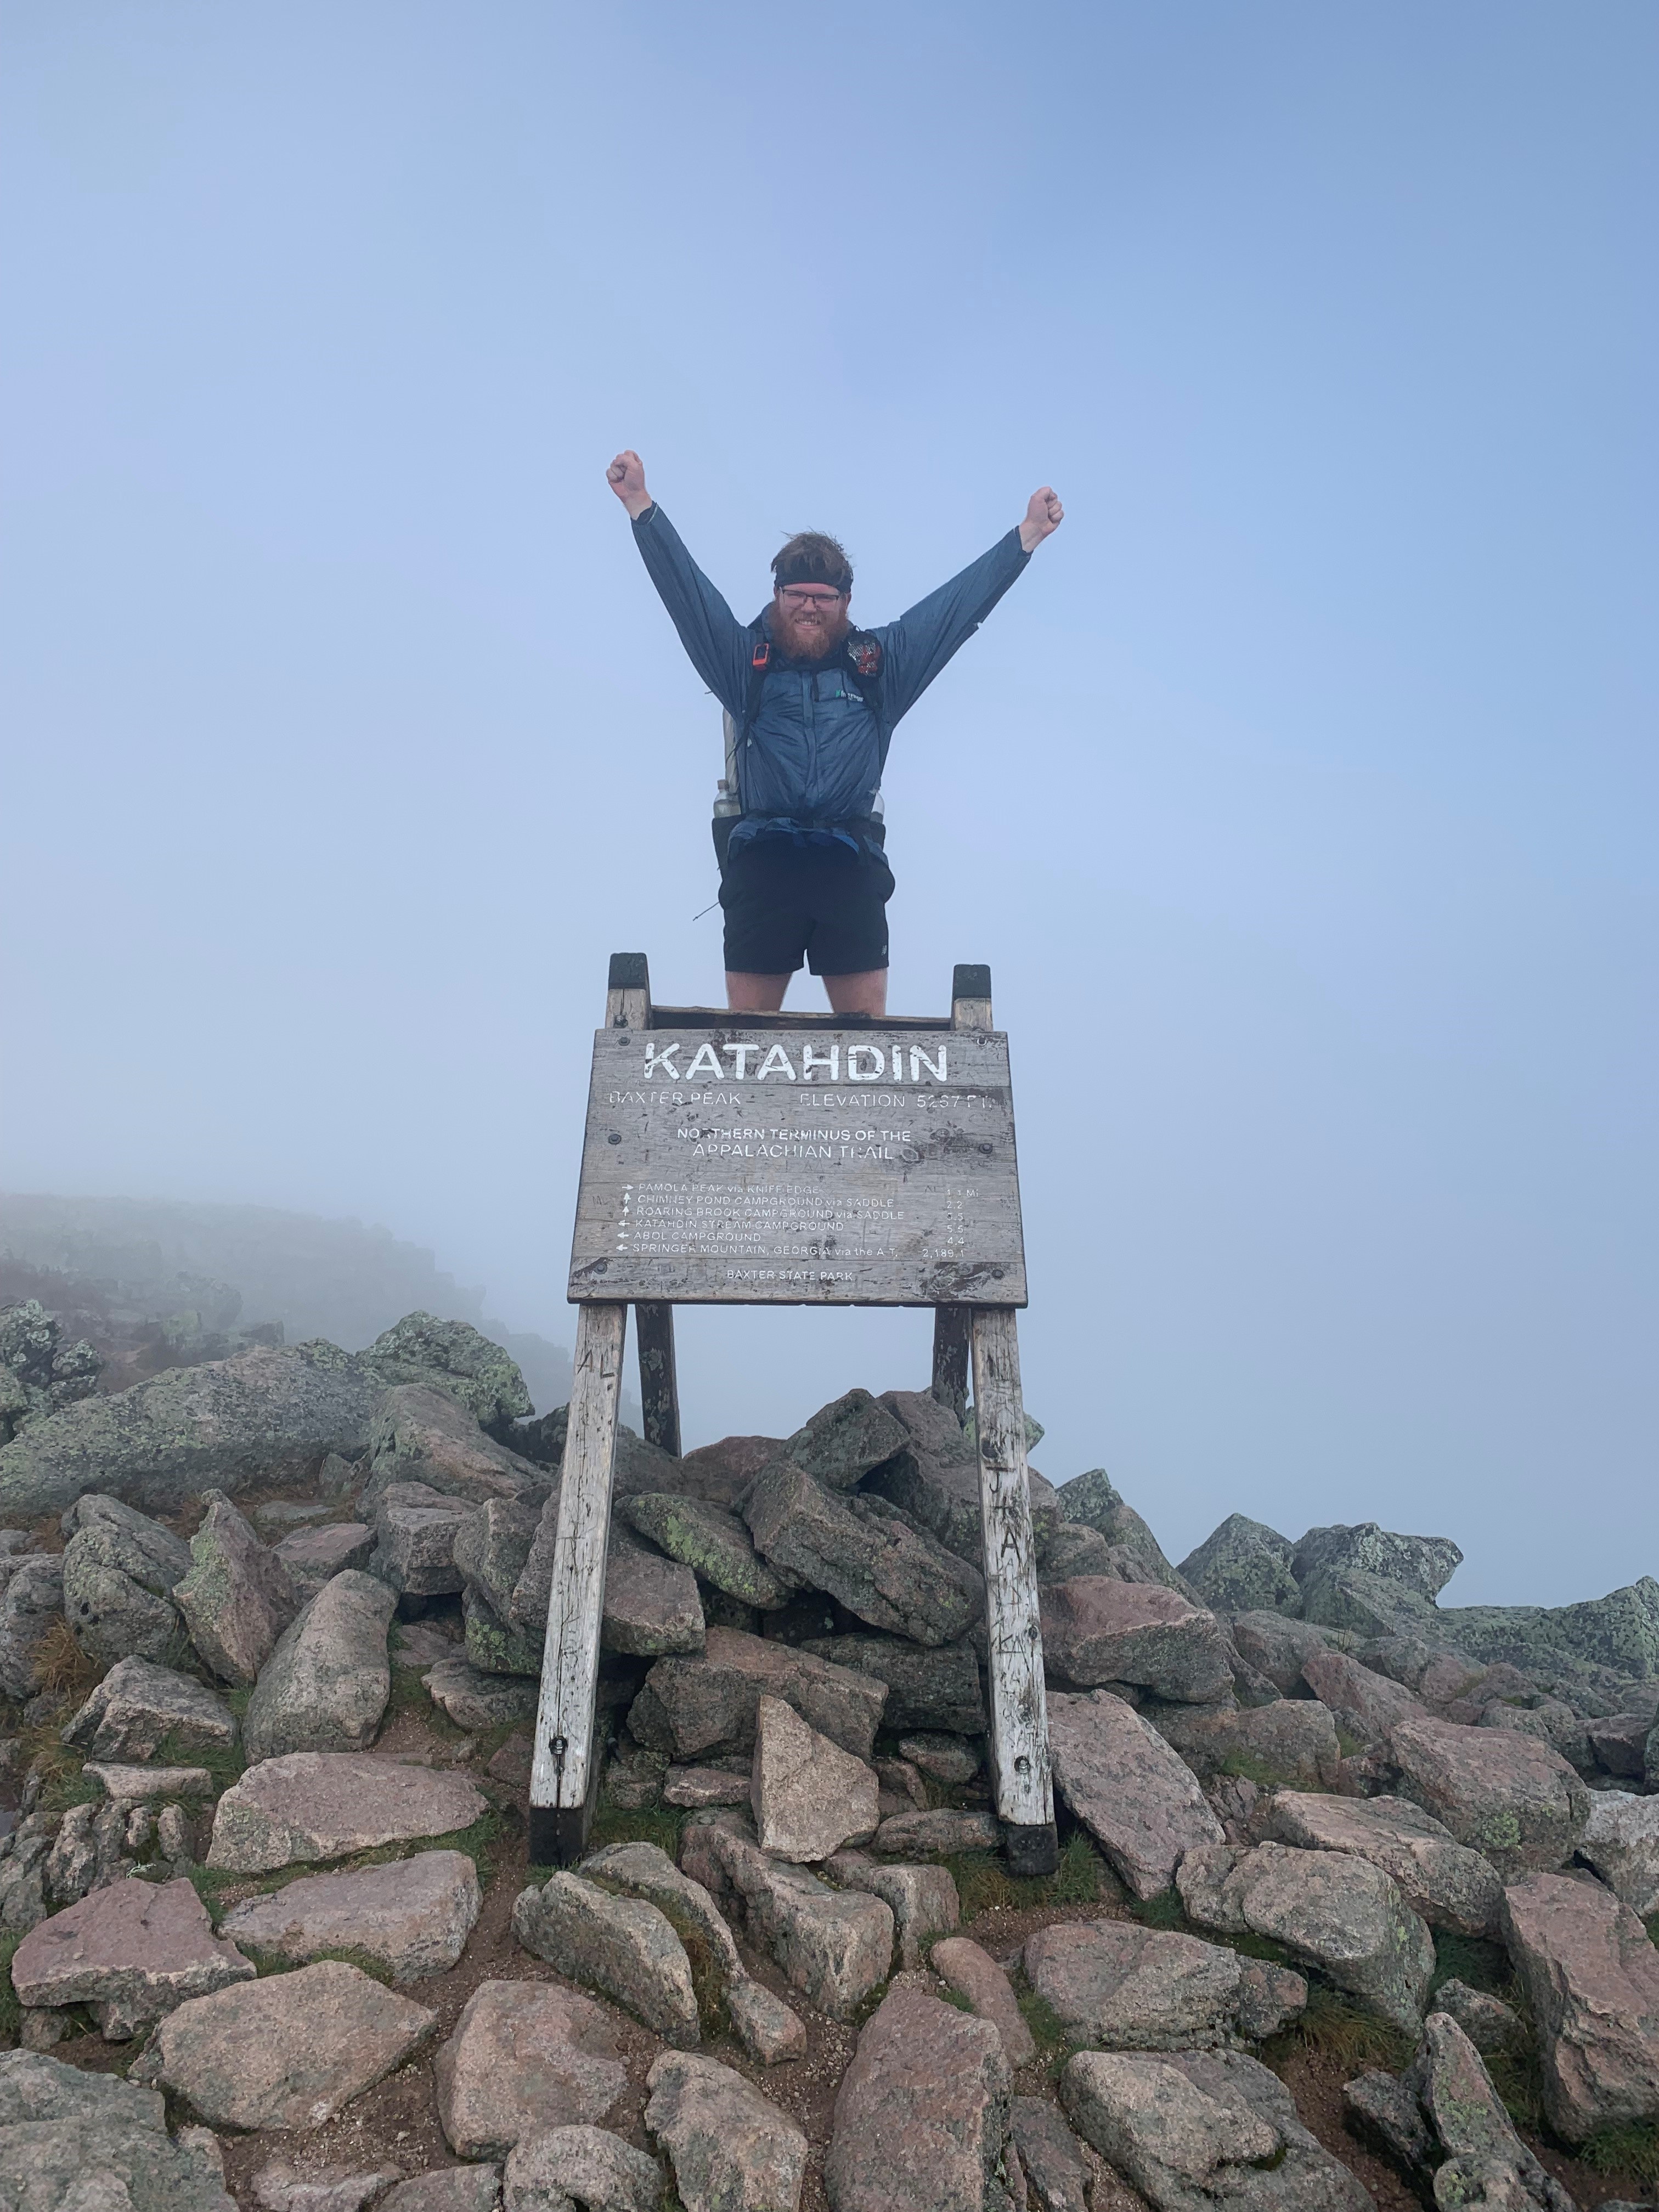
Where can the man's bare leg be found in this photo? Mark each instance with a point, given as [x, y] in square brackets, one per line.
[755, 994]
[865, 992]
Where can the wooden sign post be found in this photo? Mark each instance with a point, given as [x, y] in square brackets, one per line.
[798, 1160]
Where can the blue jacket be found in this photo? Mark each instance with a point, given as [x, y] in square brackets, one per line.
[811, 758]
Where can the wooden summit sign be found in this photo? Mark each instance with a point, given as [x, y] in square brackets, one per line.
[798, 1166]
[804, 1160]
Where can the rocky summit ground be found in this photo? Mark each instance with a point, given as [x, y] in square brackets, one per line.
[1357, 1905]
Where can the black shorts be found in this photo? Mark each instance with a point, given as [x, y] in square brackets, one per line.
[786, 902]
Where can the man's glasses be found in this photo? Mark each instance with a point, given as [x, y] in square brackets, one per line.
[807, 595]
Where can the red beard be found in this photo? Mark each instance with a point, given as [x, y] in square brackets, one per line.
[810, 634]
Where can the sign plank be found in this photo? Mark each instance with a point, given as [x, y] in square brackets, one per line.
[820, 1167]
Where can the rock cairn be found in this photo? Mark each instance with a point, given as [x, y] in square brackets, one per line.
[248, 1835]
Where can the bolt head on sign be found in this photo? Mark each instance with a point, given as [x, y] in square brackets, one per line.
[816, 1166]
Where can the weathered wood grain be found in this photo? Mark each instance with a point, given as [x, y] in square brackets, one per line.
[1019, 1710]
[660, 1389]
[952, 1330]
[805, 1166]
[564, 1770]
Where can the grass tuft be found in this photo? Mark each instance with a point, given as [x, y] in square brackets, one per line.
[1164, 1910]
[654, 1824]
[11, 2012]
[1633, 2149]
[985, 1885]
[1055, 2043]
[225, 1766]
[1334, 2027]
[61, 1667]
[1651, 1924]
[1471, 1959]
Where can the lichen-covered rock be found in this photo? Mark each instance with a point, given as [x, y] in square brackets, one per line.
[925, 1689]
[844, 1440]
[1097, 1630]
[453, 1356]
[730, 2148]
[494, 1646]
[1056, 2178]
[763, 2023]
[524, 2057]
[1276, 1648]
[119, 1567]
[641, 1869]
[921, 2114]
[423, 1434]
[866, 1553]
[1488, 2022]
[936, 1480]
[267, 1415]
[693, 1706]
[973, 1973]
[1514, 1799]
[313, 1555]
[810, 1796]
[138, 1705]
[310, 1807]
[1366, 1704]
[474, 1699]
[1135, 1989]
[1424, 1564]
[91, 2142]
[237, 1598]
[415, 1530]
[412, 1915]
[651, 1603]
[288, 2051]
[936, 1833]
[587, 2168]
[1621, 1842]
[492, 1545]
[1138, 1799]
[1194, 2128]
[1091, 1500]
[327, 1684]
[1443, 1881]
[30, 1608]
[1335, 1912]
[922, 1899]
[1293, 1740]
[713, 1542]
[1619, 1631]
[1591, 1975]
[620, 1946]
[131, 1952]
[1243, 1566]
[1485, 2162]
[834, 1946]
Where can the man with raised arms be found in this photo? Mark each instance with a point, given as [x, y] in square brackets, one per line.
[811, 703]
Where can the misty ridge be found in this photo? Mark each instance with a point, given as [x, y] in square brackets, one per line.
[154, 1284]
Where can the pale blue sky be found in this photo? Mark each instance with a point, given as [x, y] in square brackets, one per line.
[1301, 795]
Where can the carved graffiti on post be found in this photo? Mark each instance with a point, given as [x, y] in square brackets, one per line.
[852, 1167]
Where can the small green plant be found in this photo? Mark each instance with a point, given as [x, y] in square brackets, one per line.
[1249, 1766]
[1633, 2150]
[225, 1766]
[11, 2012]
[1471, 1959]
[653, 1824]
[955, 1997]
[1651, 1924]
[1053, 2041]
[985, 1885]
[1336, 2029]
[1164, 1910]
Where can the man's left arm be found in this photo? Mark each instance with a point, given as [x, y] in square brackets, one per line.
[917, 645]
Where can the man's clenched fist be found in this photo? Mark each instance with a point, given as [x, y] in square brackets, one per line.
[1043, 514]
[626, 477]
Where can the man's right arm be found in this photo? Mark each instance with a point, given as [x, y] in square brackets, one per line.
[715, 641]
